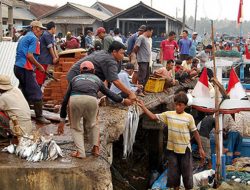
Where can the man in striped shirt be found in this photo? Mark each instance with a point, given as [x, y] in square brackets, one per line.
[180, 124]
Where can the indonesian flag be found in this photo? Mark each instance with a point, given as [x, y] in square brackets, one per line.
[240, 14]
[235, 89]
[201, 89]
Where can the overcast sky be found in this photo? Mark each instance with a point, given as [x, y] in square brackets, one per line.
[213, 9]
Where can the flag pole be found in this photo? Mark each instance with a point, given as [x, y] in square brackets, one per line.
[217, 138]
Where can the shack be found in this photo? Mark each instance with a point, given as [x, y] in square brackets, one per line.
[130, 19]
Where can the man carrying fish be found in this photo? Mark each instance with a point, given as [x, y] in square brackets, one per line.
[16, 111]
[81, 97]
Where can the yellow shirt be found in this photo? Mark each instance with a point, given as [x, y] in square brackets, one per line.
[186, 66]
[179, 128]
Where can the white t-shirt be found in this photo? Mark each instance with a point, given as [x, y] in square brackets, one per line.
[118, 39]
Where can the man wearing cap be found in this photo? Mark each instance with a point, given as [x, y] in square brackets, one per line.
[48, 52]
[192, 50]
[82, 97]
[27, 52]
[106, 66]
[143, 53]
[102, 40]
[131, 43]
[13, 106]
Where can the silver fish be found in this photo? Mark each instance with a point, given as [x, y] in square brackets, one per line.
[52, 151]
[45, 150]
[131, 125]
[59, 150]
[10, 149]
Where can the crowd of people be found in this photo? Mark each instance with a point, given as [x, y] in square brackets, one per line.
[101, 71]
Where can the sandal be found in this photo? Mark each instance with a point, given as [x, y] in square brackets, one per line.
[77, 154]
[95, 151]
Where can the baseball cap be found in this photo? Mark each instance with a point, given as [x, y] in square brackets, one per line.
[142, 28]
[100, 30]
[195, 33]
[38, 24]
[87, 66]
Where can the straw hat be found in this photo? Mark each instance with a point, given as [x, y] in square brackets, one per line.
[5, 83]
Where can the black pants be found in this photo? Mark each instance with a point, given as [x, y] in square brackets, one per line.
[183, 57]
[180, 165]
[143, 73]
[28, 84]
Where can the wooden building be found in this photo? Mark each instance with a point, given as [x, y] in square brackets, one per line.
[75, 18]
[106, 8]
[130, 19]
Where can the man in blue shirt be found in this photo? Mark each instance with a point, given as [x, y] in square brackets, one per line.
[124, 77]
[27, 52]
[184, 45]
[89, 40]
[192, 50]
[48, 52]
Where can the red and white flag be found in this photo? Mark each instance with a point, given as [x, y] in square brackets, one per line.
[235, 89]
[240, 13]
[201, 89]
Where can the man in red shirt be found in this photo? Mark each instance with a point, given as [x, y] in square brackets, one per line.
[168, 47]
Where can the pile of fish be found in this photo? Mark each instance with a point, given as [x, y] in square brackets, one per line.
[35, 150]
[131, 125]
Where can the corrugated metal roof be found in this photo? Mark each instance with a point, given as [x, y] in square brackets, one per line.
[18, 13]
[7, 60]
[38, 9]
[68, 20]
[98, 14]
[109, 8]
[90, 11]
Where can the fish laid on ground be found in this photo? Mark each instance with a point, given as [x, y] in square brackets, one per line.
[35, 150]
[10, 149]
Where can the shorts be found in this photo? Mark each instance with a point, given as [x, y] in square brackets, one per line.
[180, 165]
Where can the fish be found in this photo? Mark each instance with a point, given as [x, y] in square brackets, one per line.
[35, 150]
[131, 125]
[52, 151]
[10, 149]
[59, 150]
[44, 150]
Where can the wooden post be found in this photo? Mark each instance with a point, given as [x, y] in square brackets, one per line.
[217, 139]
[10, 21]
[184, 15]
[1, 22]
[195, 16]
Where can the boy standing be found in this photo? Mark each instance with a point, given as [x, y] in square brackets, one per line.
[179, 125]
